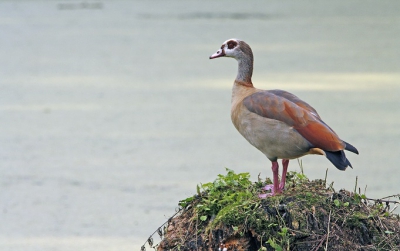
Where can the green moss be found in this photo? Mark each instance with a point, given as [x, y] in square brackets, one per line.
[304, 217]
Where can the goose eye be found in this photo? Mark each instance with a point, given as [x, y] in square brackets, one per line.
[231, 45]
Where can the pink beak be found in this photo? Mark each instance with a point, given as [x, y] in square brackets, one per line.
[219, 53]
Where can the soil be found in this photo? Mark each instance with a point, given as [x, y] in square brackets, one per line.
[307, 216]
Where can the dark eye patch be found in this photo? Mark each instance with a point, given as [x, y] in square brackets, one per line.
[232, 44]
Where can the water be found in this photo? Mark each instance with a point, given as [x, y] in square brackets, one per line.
[111, 111]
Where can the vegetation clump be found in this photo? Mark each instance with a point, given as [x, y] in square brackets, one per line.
[228, 214]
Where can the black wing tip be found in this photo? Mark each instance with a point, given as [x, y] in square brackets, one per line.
[350, 147]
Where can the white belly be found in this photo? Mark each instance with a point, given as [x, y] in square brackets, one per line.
[275, 139]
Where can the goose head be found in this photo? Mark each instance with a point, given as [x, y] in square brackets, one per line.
[233, 48]
[239, 50]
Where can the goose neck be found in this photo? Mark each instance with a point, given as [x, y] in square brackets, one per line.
[245, 70]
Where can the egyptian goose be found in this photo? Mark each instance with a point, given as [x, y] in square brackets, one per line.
[276, 122]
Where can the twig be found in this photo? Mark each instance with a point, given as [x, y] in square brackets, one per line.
[386, 201]
[326, 175]
[197, 222]
[327, 235]
[331, 187]
[150, 237]
[329, 223]
[300, 232]
[394, 195]
[394, 208]
[355, 187]
[301, 165]
[320, 243]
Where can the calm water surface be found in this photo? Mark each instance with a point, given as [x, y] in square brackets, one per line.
[111, 111]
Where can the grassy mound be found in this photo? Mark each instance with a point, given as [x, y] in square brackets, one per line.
[227, 214]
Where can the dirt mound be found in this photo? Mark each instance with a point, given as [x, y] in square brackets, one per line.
[228, 214]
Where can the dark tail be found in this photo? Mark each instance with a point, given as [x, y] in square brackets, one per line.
[339, 159]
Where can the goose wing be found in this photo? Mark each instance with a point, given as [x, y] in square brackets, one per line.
[288, 108]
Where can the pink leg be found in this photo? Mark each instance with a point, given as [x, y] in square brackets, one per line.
[275, 172]
[285, 164]
[274, 188]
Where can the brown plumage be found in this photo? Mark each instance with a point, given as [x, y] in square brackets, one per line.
[276, 122]
[300, 116]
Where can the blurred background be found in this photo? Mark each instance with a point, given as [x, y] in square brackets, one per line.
[111, 111]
